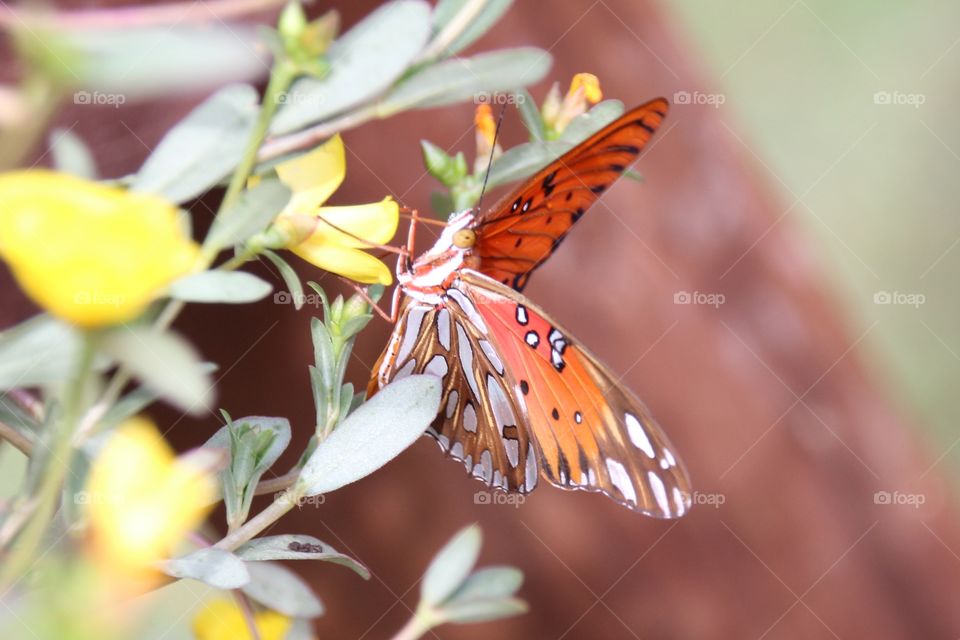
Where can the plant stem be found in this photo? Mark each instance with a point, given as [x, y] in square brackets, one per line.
[457, 25]
[259, 522]
[415, 628]
[57, 466]
[312, 136]
[16, 438]
[281, 76]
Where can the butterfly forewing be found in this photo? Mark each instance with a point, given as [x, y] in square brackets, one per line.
[591, 433]
[521, 231]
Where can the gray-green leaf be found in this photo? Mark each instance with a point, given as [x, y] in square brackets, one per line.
[281, 590]
[378, 431]
[164, 362]
[71, 155]
[215, 567]
[363, 63]
[472, 611]
[290, 278]
[451, 566]
[252, 213]
[524, 160]
[587, 124]
[481, 23]
[38, 351]
[236, 287]
[201, 149]
[460, 79]
[298, 547]
[489, 583]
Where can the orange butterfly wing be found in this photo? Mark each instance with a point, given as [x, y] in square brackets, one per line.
[519, 233]
[590, 432]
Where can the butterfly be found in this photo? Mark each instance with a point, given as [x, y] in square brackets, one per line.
[521, 399]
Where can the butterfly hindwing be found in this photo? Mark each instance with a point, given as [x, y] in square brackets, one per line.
[479, 421]
[590, 432]
[521, 231]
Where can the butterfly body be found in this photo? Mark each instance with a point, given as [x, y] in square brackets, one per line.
[521, 399]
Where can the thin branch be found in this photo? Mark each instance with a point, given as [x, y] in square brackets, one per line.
[16, 438]
[139, 16]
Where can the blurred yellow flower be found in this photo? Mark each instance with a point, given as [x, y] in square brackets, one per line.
[89, 253]
[486, 129]
[557, 113]
[142, 500]
[333, 238]
[223, 620]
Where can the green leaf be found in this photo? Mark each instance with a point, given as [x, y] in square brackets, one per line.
[255, 443]
[71, 155]
[489, 583]
[374, 434]
[123, 64]
[481, 23]
[235, 287]
[129, 405]
[298, 547]
[38, 351]
[281, 590]
[290, 278]
[472, 611]
[440, 165]
[252, 213]
[524, 160]
[461, 79]
[587, 124]
[201, 149]
[215, 567]
[164, 362]
[441, 203]
[451, 566]
[530, 114]
[363, 64]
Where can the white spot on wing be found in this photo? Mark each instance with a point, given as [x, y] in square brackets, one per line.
[659, 492]
[443, 328]
[469, 309]
[621, 480]
[671, 461]
[492, 356]
[638, 435]
[512, 447]
[502, 411]
[411, 332]
[678, 499]
[530, 473]
[465, 349]
[470, 418]
[457, 450]
[437, 366]
[452, 400]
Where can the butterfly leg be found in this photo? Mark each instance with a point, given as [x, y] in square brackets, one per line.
[362, 292]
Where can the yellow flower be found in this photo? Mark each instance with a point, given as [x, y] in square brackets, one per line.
[91, 254]
[486, 129]
[333, 238]
[223, 620]
[584, 91]
[142, 500]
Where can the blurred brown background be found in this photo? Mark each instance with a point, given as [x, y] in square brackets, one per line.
[794, 402]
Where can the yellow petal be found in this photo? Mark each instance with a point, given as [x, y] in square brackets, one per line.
[590, 85]
[358, 225]
[91, 254]
[350, 263]
[141, 500]
[222, 619]
[317, 173]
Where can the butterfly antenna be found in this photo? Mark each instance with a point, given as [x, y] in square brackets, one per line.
[493, 148]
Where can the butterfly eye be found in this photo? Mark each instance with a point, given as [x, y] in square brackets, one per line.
[464, 238]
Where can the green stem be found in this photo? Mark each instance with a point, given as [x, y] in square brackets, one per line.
[281, 76]
[51, 478]
[277, 509]
[416, 626]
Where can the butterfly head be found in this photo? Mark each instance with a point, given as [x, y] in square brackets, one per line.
[435, 268]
